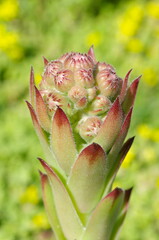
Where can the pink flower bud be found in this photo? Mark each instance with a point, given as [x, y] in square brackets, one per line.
[100, 105]
[84, 78]
[63, 80]
[53, 100]
[102, 66]
[108, 82]
[75, 61]
[51, 70]
[78, 95]
[89, 128]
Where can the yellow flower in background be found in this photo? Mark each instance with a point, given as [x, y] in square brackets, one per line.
[144, 131]
[129, 158]
[30, 195]
[128, 27]
[135, 12]
[9, 43]
[40, 221]
[130, 22]
[148, 133]
[150, 76]
[93, 38]
[155, 135]
[7, 38]
[148, 154]
[153, 9]
[135, 45]
[37, 78]
[9, 10]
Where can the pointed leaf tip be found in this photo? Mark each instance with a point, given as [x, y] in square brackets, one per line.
[91, 54]
[124, 86]
[60, 117]
[46, 166]
[45, 61]
[41, 111]
[115, 193]
[127, 195]
[93, 152]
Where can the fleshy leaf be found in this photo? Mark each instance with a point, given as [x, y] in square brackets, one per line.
[112, 171]
[113, 154]
[50, 207]
[32, 84]
[124, 86]
[62, 141]
[42, 137]
[41, 111]
[122, 215]
[110, 127]
[66, 212]
[87, 177]
[130, 95]
[104, 216]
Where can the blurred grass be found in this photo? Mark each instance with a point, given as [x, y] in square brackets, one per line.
[126, 35]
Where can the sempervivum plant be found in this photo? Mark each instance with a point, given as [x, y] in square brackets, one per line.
[81, 112]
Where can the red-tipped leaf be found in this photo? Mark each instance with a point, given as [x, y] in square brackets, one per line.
[87, 177]
[124, 86]
[32, 84]
[130, 95]
[104, 216]
[110, 127]
[41, 111]
[113, 154]
[62, 141]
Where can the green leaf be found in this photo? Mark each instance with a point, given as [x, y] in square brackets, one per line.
[122, 215]
[104, 217]
[62, 141]
[41, 111]
[87, 177]
[113, 154]
[42, 137]
[66, 212]
[110, 127]
[50, 207]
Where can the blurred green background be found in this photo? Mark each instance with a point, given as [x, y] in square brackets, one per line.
[124, 34]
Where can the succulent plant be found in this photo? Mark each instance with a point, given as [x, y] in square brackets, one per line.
[81, 112]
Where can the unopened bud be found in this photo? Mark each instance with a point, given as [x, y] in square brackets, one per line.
[75, 61]
[108, 83]
[84, 78]
[63, 80]
[53, 100]
[100, 105]
[89, 128]
[78, 95]
[51, 70]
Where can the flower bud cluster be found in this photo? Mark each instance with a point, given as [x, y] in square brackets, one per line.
[82, 87]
